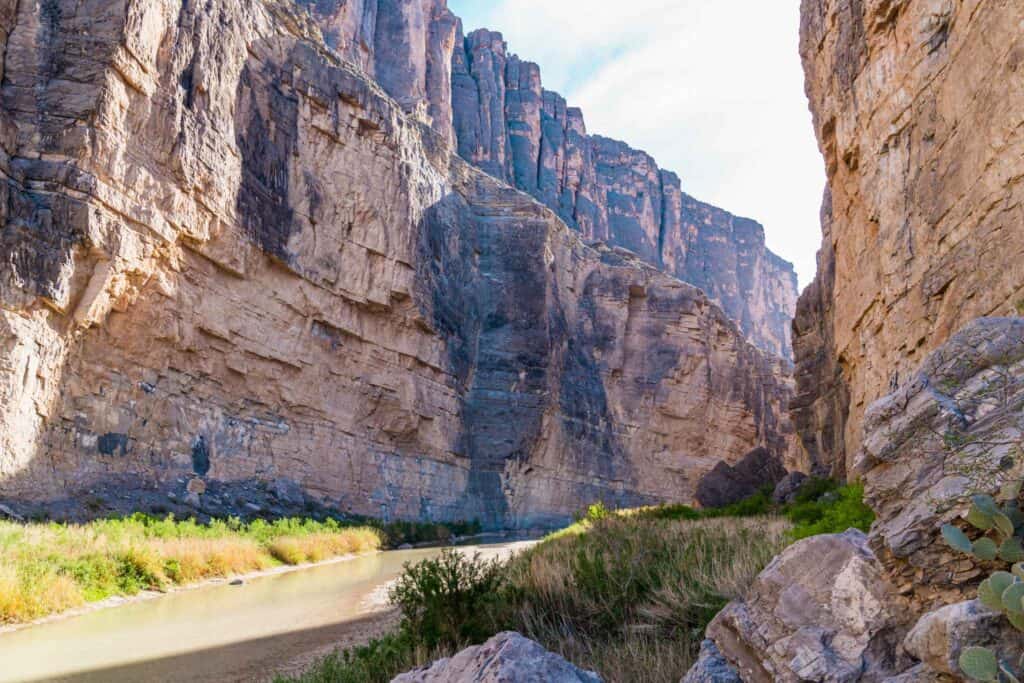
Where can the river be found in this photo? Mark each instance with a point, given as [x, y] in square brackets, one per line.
[220, 632]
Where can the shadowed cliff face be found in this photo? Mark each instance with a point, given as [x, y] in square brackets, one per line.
[278, 273]
[917, 110]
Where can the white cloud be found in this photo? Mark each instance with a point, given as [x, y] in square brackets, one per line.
[713, 90]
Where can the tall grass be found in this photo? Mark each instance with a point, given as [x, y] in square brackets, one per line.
[626, 595]
[631, 597]
[48, 568]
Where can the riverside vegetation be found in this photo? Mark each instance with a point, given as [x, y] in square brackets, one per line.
[47, 568]
[626, 593]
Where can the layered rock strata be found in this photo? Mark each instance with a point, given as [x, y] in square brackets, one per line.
[231, 255]
[917, 108]
[507, 124]
[898, 604]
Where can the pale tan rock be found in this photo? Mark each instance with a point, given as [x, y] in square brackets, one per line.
[939, 638]
[821, 611]
[505, 658]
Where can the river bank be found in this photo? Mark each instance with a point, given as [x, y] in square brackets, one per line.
[273, 623]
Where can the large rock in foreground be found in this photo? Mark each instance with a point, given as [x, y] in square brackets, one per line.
[505, 658]
[954, 430]
[940, 637]
[835, 608]
[821, 611]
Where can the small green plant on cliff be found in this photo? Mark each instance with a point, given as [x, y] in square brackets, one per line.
[1001, 524]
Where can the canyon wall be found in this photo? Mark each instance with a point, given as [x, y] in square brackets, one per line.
[918, 112]
[507, 124]
[232, 256]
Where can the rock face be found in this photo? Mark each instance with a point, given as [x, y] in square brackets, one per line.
[231, 256]
[727, 484]
[711, 667]
[789, 487]
[952, 431]
[507, 124]
[940, 637]
[917, 108]
[505, 658]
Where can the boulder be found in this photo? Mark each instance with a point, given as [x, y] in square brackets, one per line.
[788, 488]
[711, 667]
[10, 514]
[506, 658]
[940, 636]
[821, 611]
[727, 484]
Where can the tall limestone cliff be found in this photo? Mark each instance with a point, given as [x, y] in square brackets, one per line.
[918, 111]
[507, 124]
[239, 247]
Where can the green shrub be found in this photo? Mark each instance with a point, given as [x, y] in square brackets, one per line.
[450, 600]
[831, 514]
[596, 512]
[756, 505]
[814, 488]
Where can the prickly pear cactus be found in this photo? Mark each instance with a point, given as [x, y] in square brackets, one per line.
[1001, 523]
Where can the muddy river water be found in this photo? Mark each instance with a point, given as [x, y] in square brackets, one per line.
[219, 632]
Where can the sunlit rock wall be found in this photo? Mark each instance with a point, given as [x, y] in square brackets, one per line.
[507, 124]
[917, 108]
[229, 254]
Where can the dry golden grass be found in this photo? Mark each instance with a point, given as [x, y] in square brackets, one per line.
[629, 597]
[319, 547]
[48, 568]
[23, 599]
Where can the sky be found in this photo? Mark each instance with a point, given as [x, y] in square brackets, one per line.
[712, 90]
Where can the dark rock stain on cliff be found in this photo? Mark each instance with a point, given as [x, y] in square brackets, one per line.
[267, 137]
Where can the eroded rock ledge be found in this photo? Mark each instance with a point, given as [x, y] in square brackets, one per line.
[231, 255]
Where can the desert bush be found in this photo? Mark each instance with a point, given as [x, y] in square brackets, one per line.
[450, 600]
[832, 510]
